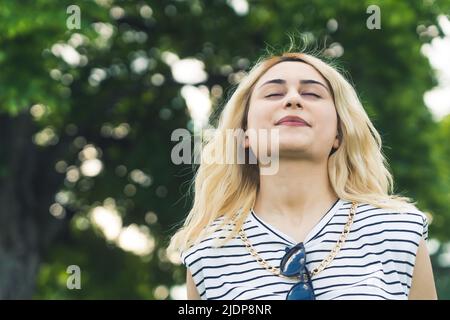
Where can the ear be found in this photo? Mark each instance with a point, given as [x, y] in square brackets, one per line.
[246, 142]
[337, 141]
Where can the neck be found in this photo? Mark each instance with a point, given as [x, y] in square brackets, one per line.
[300, 188]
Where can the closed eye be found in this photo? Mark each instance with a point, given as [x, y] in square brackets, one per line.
[311, 94]
[305, 94]
[273, 94]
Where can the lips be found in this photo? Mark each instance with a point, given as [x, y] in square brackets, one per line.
[292, 120]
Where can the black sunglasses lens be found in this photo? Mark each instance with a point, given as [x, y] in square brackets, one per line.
[301, 291]
[293, 261]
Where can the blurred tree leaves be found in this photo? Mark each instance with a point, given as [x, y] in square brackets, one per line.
[95, 92]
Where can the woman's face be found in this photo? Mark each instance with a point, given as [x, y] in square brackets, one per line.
[299, 91]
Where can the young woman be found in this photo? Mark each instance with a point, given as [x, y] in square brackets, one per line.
[325, 225]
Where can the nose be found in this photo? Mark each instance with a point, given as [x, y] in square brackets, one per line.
[293, 100]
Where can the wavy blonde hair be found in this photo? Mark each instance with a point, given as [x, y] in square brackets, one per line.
[358, 170]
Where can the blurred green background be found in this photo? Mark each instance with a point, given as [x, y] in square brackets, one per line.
[86, 116]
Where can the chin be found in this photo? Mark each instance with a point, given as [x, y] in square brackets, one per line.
[291, 148]
[293, 143]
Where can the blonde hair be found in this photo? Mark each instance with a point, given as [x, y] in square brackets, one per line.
[358, 170]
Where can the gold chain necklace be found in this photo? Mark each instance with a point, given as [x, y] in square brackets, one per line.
[325, 262]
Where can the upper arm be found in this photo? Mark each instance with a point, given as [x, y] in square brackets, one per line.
[192, 293]
[423, 287]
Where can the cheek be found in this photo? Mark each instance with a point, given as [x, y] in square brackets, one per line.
[259, 124]
[259, 117]
[326, 120]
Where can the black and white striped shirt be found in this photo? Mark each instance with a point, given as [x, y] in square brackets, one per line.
[376, 261]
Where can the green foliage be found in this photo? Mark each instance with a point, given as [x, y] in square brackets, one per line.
[386, 66]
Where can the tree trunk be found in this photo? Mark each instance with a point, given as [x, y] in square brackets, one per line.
[28, 183]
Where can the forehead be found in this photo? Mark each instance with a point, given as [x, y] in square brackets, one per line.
[291, 71]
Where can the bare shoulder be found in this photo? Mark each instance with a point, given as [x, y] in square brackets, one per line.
[192, 293]
[423, 287]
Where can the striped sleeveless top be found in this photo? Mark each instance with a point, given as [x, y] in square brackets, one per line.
[376, 261]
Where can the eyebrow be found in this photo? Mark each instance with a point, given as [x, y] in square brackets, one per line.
[307, 81]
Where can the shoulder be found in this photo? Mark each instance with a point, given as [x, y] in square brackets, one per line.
[193, 254]
[193, 257]
[411, 221]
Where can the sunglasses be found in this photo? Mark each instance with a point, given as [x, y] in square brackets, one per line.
[293, 264]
